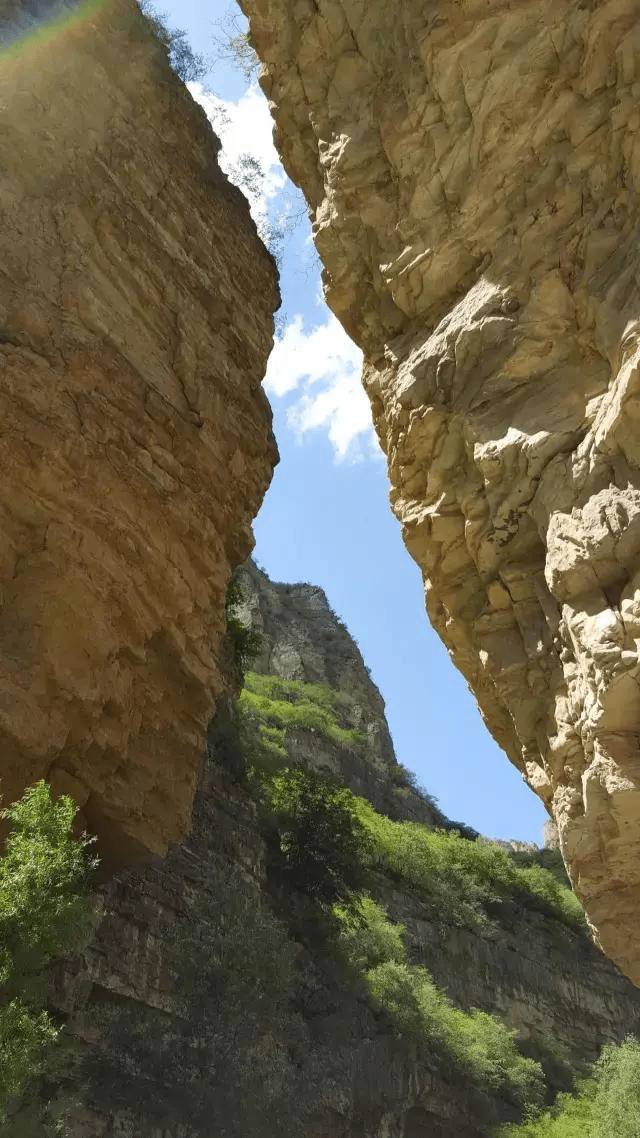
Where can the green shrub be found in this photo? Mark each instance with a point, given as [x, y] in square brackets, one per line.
[573, 1121]
[605, 1105]
[245, 641]
[560, 1066]
[277, 688]
[365, 935]
[286, 704]
[479, 1044]
[322, 846]
[269, 749]
[549, 859]
[25, 1036]
[459, 879]
[44, 913]
[616, 1105]
[476, 1042]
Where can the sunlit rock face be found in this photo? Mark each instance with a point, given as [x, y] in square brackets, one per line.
[473, 170]
[136, 307]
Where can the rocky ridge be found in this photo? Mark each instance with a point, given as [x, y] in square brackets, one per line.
[302, 638]
[473, 175]
[136, 316]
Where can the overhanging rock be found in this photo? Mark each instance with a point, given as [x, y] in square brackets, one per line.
[472, 171]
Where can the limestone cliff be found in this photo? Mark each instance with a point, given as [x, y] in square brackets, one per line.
[136, 306]
[473, 174]
[301, 638]
[208, 1003]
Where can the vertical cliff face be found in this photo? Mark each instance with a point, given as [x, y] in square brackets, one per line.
[473, 175]
[211, 1002]
[136, 305]
[302, 638]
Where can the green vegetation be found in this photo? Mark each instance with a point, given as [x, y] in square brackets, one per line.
[25, 1036]
[322, 846]
[245, 641]
[281, 704]
[44, 913]
[365, 935]
[333, 848]
[185, 62]
[462, 880]
[605, 1105]
[325, 850]
[327, 843]
[477, 1043]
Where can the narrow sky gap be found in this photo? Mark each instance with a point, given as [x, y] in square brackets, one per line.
[326, 519]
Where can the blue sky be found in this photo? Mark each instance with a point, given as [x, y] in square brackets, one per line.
[326, 518]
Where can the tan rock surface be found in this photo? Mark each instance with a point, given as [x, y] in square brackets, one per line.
[473, 173]
[136, 307]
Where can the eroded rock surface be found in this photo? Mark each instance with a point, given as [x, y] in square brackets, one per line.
[473, 171]
[136, 307]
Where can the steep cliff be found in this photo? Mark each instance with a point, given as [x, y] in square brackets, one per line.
[522, 966]
[302, 639]
[473, 172]
[211, 1000]
[136, 316]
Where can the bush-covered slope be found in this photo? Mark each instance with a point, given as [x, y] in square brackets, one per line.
[604, 1105]
[334, 848]
[309, 960]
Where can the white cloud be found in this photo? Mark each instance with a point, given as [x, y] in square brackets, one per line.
[323, 367]
[248, 156]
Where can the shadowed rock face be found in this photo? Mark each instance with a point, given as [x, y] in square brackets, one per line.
[473, 171]
[136, 307]
[161, 1039]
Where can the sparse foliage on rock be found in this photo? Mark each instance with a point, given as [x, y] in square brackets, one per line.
[245, 641]
[44, 913]
[232, 44]
[188, 64]
[604, 1105]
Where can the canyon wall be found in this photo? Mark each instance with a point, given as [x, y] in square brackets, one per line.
[209, 1001]
[472, 170]
[302, 639]
[136, 316]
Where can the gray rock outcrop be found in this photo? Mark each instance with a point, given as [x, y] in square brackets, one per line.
[302, 638]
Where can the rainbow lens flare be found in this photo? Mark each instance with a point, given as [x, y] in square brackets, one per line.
[24, 23]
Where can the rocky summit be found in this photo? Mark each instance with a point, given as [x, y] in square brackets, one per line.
[472, 170]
